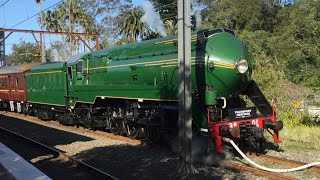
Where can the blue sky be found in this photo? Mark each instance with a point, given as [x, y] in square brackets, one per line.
[15, 11]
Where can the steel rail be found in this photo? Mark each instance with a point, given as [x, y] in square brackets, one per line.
[258, 172]
[288, 162]
[36, 120]
[62, 155]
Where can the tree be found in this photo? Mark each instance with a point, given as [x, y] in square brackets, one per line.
[70, 16]
[167, 9]
[130, 25]
[60, 51]
[106, 13]
[171, 27]
[238, 16]
[296, 42]
[27, 52]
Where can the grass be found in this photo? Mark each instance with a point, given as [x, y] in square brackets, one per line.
[300, 138]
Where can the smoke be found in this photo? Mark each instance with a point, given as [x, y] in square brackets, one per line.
[198, 19]
[196, 11]
[202, 150]
[152, 18]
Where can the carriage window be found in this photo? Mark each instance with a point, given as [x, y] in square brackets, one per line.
[70, 73]
[79, 66]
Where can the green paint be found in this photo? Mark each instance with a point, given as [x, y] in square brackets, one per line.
[147, 70]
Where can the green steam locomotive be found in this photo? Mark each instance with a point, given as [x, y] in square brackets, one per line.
[132, 90]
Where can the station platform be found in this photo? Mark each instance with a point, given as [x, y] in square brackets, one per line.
[12, 166]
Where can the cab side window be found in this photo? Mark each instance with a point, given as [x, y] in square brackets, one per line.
[79, 66]
[70, 73]
[79, 69]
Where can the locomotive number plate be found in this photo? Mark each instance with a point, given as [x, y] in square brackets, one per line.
[242, 113]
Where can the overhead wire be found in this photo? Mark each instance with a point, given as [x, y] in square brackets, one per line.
[37, 14]
[4, 3]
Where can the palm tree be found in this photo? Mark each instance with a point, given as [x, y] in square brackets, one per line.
[130, 24]
[170, 27]
[39, 2]
[43, 57]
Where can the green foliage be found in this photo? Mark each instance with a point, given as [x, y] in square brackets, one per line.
[242, 15]
[25, 52]
[285, 44]
[130, 24]
[300, 137]
[167, 9]
[284, 39]
[171, 27]
[307, 120]
[296, 42]
[69, 16]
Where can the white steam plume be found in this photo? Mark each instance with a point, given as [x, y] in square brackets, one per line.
[152, 18]
[196, 12]
[198, 19]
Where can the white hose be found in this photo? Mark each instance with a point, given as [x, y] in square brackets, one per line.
[269, 169]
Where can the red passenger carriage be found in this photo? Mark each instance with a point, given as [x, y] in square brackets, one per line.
[13, 86]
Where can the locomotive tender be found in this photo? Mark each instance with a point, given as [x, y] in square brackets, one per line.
[133, 90]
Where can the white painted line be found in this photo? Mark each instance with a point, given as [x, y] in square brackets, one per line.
[19, 167]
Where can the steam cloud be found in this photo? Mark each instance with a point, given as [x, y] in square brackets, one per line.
[152, 18]
[202, 150]
[198, 19]
[195, 10]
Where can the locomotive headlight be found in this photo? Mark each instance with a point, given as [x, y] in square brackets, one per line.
[242, 65]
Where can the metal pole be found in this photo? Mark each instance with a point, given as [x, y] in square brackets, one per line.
[41, 48]
[184, 60]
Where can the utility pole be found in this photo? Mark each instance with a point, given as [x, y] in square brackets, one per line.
[184, 61]
[42, 41]
[2, 48]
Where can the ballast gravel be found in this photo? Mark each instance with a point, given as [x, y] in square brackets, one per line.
[120, 158]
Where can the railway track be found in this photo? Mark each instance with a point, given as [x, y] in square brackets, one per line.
[233, 166]
[62, 156]
[79, 128]
[273, 160]
[258, 172]
[283, 161]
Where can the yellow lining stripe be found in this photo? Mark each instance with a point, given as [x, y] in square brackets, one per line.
[156, 64]
[222, 63]
[146, 99]
[143, 63]
[6, 90]
[224, 66]
[45, 72]
[172, 40]
[45, 103]
[167, 63]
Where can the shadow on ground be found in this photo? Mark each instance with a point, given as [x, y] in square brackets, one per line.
[43, 134]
